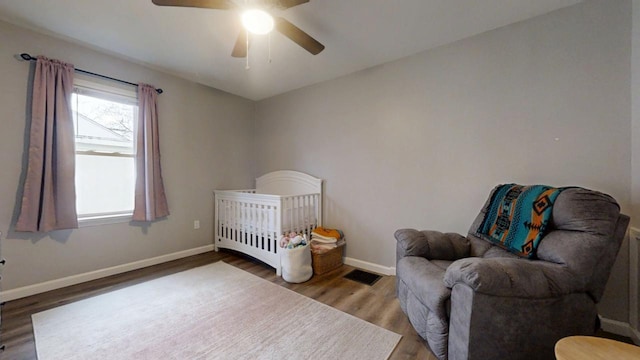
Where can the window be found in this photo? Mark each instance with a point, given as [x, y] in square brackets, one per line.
[103, 119]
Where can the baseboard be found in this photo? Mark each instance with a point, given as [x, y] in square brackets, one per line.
[635, 336]
[615, 327]
[97, 274]
[384, 270]
[620, 328]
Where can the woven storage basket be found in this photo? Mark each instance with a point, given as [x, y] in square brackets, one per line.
[327, 261]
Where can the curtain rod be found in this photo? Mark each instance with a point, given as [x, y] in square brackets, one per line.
[28, 57]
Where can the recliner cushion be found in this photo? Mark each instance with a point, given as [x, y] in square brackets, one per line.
[425, 299]
[425, 280]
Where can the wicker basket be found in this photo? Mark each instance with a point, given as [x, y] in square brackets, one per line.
[327, 261]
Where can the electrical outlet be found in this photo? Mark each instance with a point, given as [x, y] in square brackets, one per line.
[196, 224]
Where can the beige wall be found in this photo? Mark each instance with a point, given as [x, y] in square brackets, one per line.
[198, 128]
[414, 143]
[420, 142]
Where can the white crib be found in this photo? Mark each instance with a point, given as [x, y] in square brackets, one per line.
[251, 221]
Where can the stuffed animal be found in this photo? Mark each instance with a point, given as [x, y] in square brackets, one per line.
[292, 240]
[284, 241]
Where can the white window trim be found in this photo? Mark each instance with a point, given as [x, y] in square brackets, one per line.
[104, 219]
[100, 153]
[82, 83]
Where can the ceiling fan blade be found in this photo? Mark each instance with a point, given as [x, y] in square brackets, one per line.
[285, 4]
[298, 36]
[240, 48]
[207, 4]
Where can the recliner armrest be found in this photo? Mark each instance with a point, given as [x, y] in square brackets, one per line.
[511, 277]
[431, 244]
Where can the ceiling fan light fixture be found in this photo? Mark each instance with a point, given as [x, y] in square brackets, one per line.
[257, 21]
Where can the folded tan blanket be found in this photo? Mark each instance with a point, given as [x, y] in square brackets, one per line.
[326, 233]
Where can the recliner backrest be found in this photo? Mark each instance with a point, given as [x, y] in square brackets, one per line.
[584, 234]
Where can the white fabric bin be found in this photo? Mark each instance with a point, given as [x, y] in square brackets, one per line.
[296, 264]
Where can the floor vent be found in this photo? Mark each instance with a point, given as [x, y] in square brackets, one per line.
[363, 277]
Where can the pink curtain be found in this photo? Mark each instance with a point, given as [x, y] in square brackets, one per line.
[49, 196]
[150, 199]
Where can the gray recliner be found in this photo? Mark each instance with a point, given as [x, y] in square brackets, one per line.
[470, 299]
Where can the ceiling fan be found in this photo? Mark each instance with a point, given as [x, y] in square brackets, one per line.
[258, 9]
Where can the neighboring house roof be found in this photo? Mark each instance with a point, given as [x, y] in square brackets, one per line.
[91, 135]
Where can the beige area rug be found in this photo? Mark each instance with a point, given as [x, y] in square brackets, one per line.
[211, 312]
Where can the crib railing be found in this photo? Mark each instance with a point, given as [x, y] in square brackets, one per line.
[301, 213]
[252, 223]
[247, 221]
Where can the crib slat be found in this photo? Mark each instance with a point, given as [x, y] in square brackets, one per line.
[252, 218]
[265, 228]
[241, 221]
[279, 228]
[261, 226]
[216, 225]
[226, 219]
[256, 228]
[246, 216]
[237, 220]
[271, 229]
[291, 210]
[292, 213]
[294, 209]
[297, 214]
[317, 216]
[307, 216]
[229, 219]
[312, 217]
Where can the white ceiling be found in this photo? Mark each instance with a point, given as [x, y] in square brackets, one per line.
[196, 43]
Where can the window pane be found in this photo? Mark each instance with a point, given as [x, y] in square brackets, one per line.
[105, 172]
[102, 125]
[104, 184]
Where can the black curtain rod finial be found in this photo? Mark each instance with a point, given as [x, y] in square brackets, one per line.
[28, 57]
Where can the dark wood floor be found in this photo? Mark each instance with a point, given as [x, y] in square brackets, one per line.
[376, 304]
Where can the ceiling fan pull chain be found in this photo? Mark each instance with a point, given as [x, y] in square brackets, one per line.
[247, 67]
[269, 48]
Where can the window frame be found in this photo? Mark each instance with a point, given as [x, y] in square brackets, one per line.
[113, 93]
